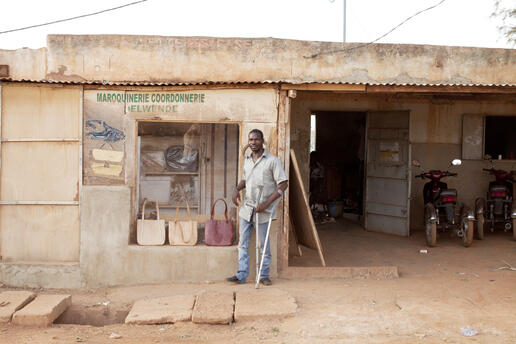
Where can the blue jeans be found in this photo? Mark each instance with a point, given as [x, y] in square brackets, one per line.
[246, 229]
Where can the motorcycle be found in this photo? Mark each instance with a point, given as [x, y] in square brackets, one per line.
[498, 206]
[442, 211]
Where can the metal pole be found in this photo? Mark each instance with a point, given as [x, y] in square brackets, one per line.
[344, 23]
[266, 241]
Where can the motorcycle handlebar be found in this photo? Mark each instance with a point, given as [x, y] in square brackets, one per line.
[444, 174]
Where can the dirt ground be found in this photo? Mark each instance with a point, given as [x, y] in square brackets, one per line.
[437, 294]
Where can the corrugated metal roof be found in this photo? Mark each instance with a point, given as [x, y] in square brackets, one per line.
[263, 82]
[137, 83]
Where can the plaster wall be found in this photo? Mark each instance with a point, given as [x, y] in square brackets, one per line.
[107, 259]
[25, 63]
[201, 59]
[435, 135]
[36, 274]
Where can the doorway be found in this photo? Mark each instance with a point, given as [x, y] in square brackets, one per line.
[337, 165]
[358, 181]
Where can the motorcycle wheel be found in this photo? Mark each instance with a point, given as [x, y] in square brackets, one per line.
[431, 233]
[480, 226]
[514, 229]
[468, 229]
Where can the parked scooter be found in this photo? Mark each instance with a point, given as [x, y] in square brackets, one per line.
[442, 211]
[498, 206]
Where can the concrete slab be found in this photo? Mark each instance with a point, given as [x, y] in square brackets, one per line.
[263, 303]
[11, 301]
[42, 311]
[214, 308]
[161, 310]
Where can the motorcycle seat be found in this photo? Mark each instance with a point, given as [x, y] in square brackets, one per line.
[498, 188]
[449, 192]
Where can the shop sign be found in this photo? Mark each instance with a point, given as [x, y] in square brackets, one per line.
[151, 102]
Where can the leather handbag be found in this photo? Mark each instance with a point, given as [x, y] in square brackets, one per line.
[218, 232]
[182, 232]
[150, 232]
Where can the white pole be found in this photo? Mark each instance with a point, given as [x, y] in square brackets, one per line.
[344, 23]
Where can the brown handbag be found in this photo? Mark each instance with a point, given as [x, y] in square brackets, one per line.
[218, 232]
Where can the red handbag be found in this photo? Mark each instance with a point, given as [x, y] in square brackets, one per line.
[218, 232]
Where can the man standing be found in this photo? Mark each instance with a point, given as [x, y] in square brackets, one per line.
[263, 174]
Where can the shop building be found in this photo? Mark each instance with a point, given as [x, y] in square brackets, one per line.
[91, 124]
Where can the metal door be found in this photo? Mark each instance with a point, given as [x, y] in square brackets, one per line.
[387, 173]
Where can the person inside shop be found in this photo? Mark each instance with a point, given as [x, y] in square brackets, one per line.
[264, 181]
[318, 193]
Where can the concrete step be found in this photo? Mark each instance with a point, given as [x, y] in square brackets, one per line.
[213, 308]
[161, 310]
[11, 301]
[42, 311]
[263, 303]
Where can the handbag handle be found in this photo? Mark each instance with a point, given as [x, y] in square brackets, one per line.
[143, 207]
[179, 203]
[225, 211]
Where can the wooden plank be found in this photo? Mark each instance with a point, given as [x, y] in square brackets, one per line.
[439, 89]
[80, 121]
[246, 86]
[300, 211]
[51, 139]
[273, 141]
[200, 218]
[39, 171]
[40, 112]
[282, 147]
[40, 232]
[39, 202]
[325, 87]
[296, 241]
[1, 162]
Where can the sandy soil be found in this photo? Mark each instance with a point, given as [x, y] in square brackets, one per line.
[437, 294]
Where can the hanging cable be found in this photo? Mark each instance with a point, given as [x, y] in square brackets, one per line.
[374, 41]
[72, 18]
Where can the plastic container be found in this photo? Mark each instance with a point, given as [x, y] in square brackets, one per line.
[335, 208]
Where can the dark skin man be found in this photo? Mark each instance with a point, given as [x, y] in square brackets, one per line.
[256, 145]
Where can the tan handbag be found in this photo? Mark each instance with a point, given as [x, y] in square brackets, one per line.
[182, 232]
[150, 232]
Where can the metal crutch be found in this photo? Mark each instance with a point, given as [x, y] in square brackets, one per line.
[256, 223]
[265, 242]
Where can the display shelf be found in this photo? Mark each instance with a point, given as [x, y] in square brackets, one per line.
[171, 206]
[171, 173]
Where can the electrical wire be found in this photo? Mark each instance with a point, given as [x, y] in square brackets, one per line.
[376, 40]
[72, 18]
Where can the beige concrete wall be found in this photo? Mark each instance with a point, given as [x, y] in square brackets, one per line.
[46, 275]
[107, 259]
[435, 135]
[25, 63]
[199, 59]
